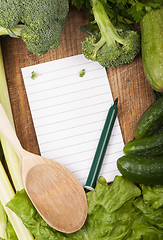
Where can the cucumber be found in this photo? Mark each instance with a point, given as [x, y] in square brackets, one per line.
[142, 170]
[151, 146]
[152, 48]
[151, 120]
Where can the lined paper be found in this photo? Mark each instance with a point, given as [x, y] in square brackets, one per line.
[69, 113]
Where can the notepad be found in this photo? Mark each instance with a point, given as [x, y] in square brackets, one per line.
[69, 113]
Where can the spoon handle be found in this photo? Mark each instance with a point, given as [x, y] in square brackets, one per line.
[8, 132]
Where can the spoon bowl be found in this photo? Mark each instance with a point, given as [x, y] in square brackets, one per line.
[54, 191]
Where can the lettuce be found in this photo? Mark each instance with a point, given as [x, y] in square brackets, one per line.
[153, 195]
[151, 215]
[11, 235]
[117, 211]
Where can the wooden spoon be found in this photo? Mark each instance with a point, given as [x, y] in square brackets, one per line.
[53, 189]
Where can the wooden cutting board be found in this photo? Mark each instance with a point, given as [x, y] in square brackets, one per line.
[128, 82]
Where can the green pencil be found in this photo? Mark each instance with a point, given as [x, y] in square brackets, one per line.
[102, 146]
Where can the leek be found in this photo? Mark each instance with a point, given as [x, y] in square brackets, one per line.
[6, 190]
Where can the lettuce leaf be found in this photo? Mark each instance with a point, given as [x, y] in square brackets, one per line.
[153, 196]
[24, 209]
[143, 230]
[11, 235]
[152, 216]
[115, 212]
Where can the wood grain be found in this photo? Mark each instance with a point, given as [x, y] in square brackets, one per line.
[128, 82]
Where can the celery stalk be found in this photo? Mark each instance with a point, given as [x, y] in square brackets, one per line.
[3, 222]
[6, 190]
[10, 155]
[7, 193]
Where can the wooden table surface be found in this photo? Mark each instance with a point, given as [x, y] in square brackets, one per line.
[128, 82]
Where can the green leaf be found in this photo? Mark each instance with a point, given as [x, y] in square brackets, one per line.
[153, 196]
[152, 216]
[11, 235]
[81, 4]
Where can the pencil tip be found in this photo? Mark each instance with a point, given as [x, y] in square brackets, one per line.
[116, 101]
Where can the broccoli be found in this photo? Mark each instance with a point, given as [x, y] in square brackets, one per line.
[41, 22]
[111, 47]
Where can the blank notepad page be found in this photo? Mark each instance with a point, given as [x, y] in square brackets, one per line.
[69, 113]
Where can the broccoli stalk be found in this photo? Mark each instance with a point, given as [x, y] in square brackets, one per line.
[14, 32]
[111, 47]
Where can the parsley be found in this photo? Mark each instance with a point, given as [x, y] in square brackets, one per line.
[34, 75]
[82, 73]
[121, 11]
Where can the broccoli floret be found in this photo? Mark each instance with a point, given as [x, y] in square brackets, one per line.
[110, 47]
[43, 22]
[10, 13]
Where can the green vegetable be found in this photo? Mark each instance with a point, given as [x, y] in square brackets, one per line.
[150, 146]
[3, 223]
[141, 169]
[11, 235]
[34, 75]
[110, 47]
[82, 73]
[10, 155]
[43, 22]
[152, 48]
[7, 193]
[116, 211]
[81, 4]
[151, 120]
[153, 195]
[6, 190]
[107, 206]
[153, 216]
[121, 11]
